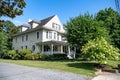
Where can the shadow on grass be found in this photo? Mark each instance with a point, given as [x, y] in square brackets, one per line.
[83, 65]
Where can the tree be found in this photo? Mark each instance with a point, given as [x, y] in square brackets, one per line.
[9, 28]
[100, 50]
[11, 8]
[83, 28]
[111, 21]
[3, 44]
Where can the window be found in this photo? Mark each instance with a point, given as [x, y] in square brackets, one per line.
[54, 35]
[37, 35]
[33, 48]
[56, 26]
[16, 39]
[31, 25]
[47, 34]
[21, 47]
[50, 35]
[53, 25]
[26, 47]
[26, 37]
[22, 38]
[57, 36]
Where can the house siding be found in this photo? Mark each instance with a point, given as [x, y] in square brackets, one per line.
[32, 40]
[32, 35]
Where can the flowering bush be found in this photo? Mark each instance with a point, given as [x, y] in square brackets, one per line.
[100, 50]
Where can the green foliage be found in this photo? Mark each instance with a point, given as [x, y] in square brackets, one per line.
[9, 28]
[11, 8]
[59, 56]
[100, 50]
[111, 21]
[20, 55]
[23, 52]
[83, 28]
[6, 33]
[3, 44]
[28, 57]
[11, 53]
[44, 57]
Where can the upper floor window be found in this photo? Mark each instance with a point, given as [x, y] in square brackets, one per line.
[56, 26]
[57, 36]
[22, 38]
[47, 34]
[50, 35]
[54, 35]
[26, 37]
[37, 35]
[31, 25]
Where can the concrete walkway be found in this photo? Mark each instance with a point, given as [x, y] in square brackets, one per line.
[16, 72]
[107, 76]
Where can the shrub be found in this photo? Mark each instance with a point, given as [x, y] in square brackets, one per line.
[23, 53]
[16, 57]
[11, 54]
[36, 56]
[28, 57]
[100, 50]
[44, 57]
[59, 56]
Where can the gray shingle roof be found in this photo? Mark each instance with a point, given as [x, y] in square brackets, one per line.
[41, 23]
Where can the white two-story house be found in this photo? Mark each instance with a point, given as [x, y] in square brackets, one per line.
[44, 36]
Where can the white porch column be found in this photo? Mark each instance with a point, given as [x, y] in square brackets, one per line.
[51, 48]
[61, 48]
[42, 48]
[68, 49]
[74, 51]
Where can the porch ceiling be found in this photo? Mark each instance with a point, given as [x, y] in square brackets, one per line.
[52, 42]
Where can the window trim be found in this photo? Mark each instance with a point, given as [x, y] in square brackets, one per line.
[22, 38]
[26, 47]
[15, 39]
[21, 47]
[33, 47]
[26, 37]
[38, 34]
[54, 35]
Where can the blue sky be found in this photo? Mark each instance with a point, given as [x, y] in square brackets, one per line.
[65, 9]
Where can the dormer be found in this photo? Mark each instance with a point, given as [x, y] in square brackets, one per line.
[34, 23]
[23, 27]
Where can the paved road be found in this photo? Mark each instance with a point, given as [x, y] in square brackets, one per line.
[16, 72]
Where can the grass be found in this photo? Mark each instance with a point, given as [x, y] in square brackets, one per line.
[78, 67]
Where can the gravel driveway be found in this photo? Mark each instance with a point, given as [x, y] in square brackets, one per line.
[16, 72]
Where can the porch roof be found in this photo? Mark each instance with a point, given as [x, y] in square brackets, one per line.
[53, 42]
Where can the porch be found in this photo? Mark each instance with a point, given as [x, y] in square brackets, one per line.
[56, 47]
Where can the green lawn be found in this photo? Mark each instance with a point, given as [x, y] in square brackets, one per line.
[79, 67]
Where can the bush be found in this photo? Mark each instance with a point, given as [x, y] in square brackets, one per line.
[36, 56]
[11, 54]
[23, 53]
[59, 56]
[100, 50]
[28, 57]
[44, 57]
